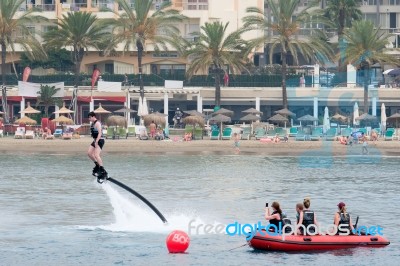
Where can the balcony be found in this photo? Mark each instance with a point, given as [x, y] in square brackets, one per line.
[195, 5]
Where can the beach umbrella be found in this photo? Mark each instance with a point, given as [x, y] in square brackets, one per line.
[366, 117]
[63, 120]
[285, 112]
[279, 119]
[194, 113]
[383, 117]
[339, 117]
[223, 111]
[125, 110]
[64, 110]
[194, 120]
[30, 110]
[101, 110]
[157, 117]
[250, 117]
[395, 117]
[116, 120]
[307, 118]
[392, 72]
[219, 118]
[26, 121]
[356, 114]
[326, 124]
[253, 111]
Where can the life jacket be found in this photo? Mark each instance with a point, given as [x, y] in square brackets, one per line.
[276, 221]
[308, 219]
[93, 130]
[344, 222]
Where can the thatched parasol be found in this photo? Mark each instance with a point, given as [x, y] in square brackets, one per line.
[395, 117]
[26, 120]
[116, 120]
[278, 118]
[250, 117]
[223, 111]
[285, 111]
[253, 111]
[125, 110]
[194, 120]
[307, 118]
[101, 110]
[194, 113]
[220, 119]
[63, 120]
[366, 117]
[64, 110]
[157, 117]
[30, 110]
[339, 117]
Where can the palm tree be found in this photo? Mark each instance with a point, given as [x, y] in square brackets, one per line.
[216, 49]
[285, 23]
[138, 26]
[343, 13]
[14, 30]
[46, 97]
[79, 30]
[365, 47]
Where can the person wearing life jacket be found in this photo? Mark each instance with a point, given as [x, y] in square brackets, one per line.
[276, 216]
[95, 148]
[342, 220]
[308, 219]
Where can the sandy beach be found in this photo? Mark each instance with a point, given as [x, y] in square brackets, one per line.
[132, 145]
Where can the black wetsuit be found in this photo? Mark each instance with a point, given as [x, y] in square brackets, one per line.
[95, 133]
[344, 223]
[308, 219]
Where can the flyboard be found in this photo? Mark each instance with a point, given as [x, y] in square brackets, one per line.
[148, 203]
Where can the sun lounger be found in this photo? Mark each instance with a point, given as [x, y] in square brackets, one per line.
[331, 134]
[300, 135]
[131, 132]
[246, 133]
[58, 133]
[227, 133]
[122, 133]
[315, 134]
[271, 133]
[110, 133]
[260, 133]
[30, 134]
[346, 132]
[214, 135]
[143, 134]
[389, 134]
[293, 131]
[19, 133]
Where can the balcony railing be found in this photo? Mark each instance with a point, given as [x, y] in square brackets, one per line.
[195, 5]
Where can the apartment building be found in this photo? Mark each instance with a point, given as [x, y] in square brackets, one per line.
[119, 62]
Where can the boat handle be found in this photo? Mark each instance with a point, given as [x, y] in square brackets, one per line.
[374, 239]
[307, 239]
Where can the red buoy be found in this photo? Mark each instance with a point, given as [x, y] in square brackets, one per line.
[177, 241]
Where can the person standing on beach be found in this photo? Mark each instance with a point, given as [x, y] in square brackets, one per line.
[95, 147]
[236, 138]
[364, 144]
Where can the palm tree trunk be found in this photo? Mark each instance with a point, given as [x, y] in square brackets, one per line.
[366, 82]
[3, 78]
[341, 43]
[46, 111]
[217, 87]
[139, 46]
[284, 92]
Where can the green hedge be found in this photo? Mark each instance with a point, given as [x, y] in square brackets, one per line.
[265, 80]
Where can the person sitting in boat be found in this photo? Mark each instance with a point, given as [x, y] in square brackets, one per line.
[343, 220]
[307, 219]
[299, 209]
[276, 216]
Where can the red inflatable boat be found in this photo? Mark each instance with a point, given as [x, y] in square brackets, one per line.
[313, 243]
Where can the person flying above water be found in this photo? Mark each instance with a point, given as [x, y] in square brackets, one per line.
[95, 148]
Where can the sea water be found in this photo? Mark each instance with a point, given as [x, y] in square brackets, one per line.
[54, 213]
